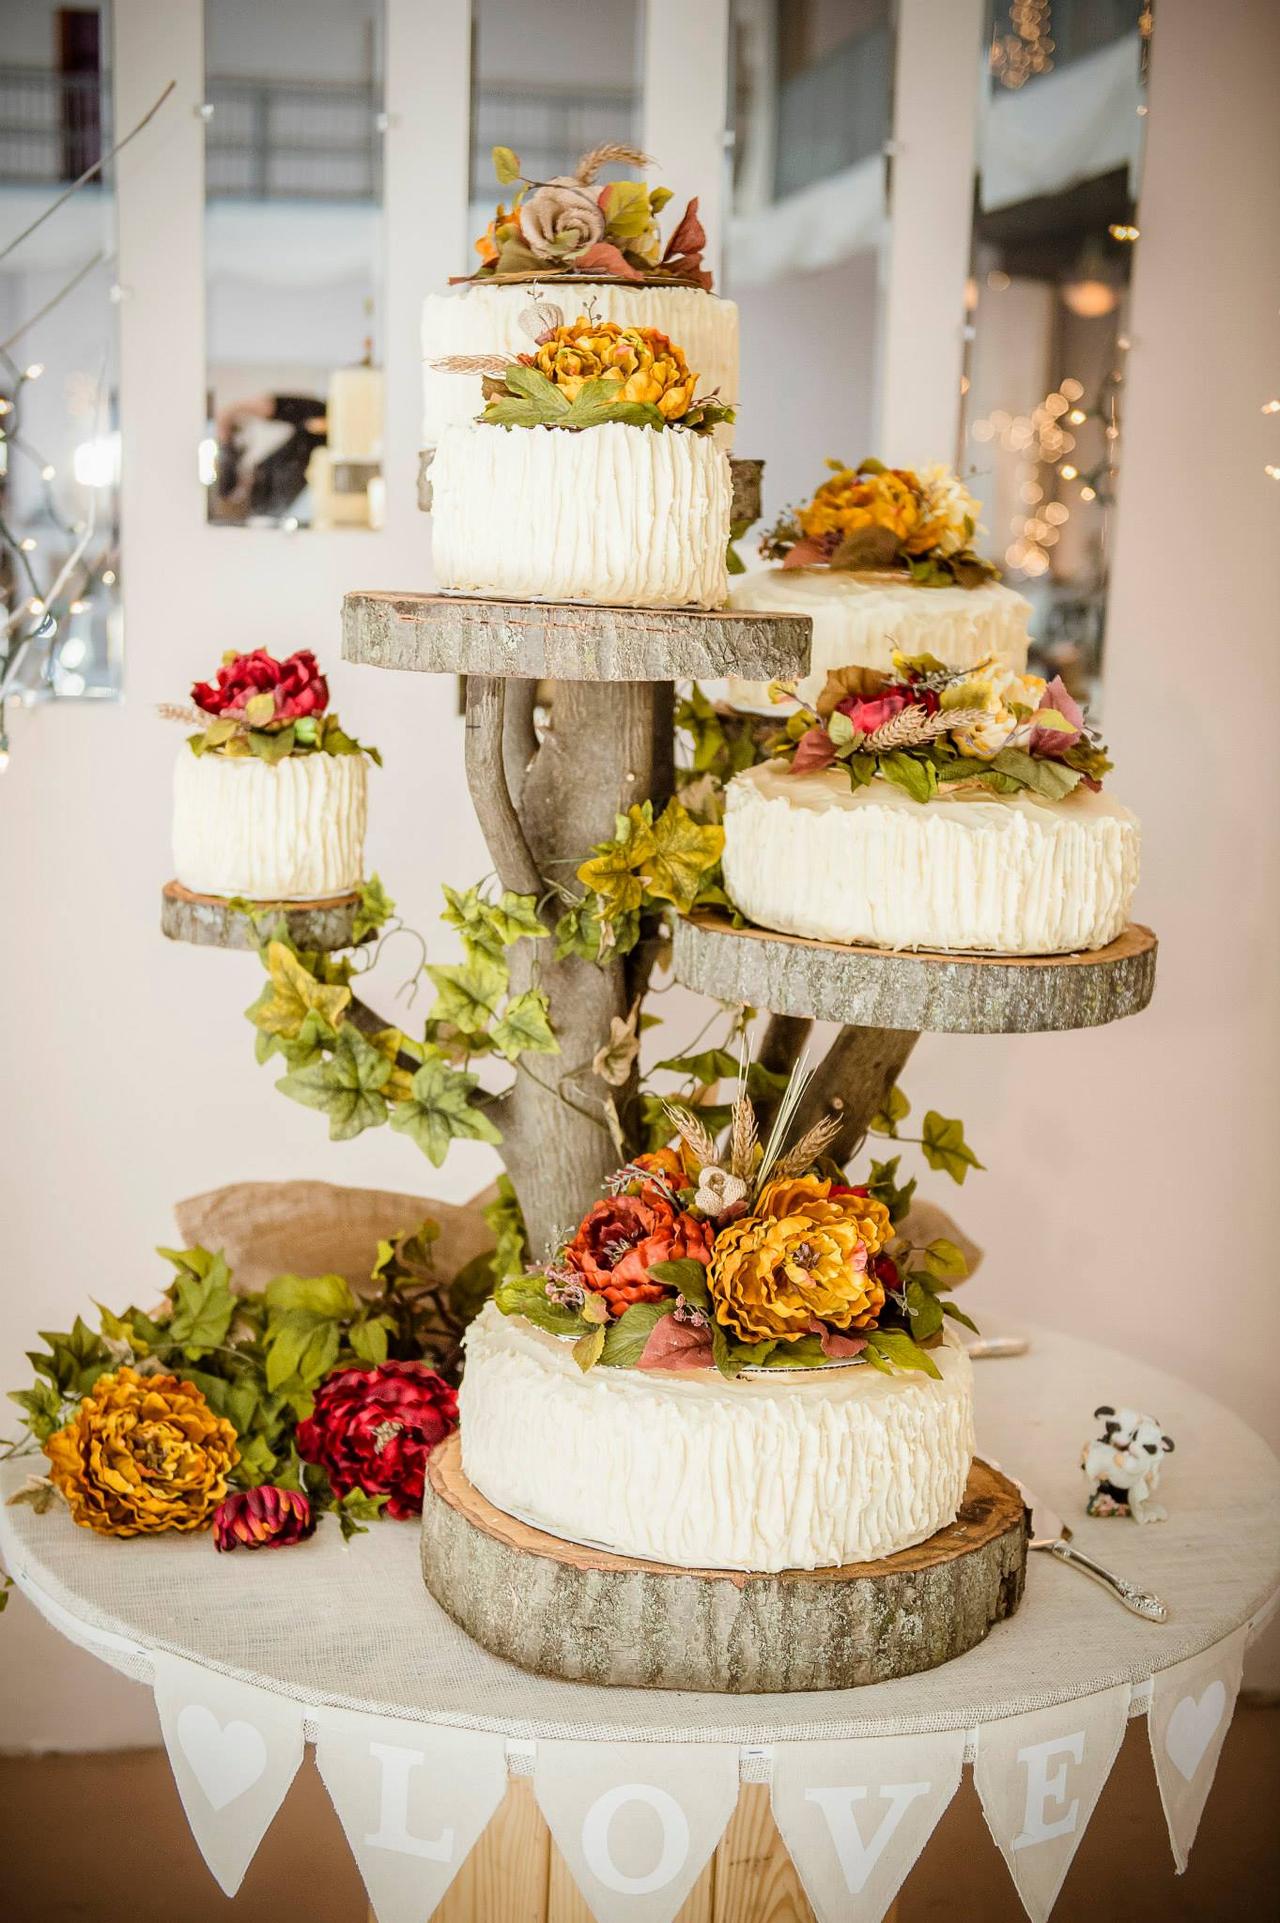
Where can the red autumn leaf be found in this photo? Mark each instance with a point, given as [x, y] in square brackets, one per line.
[605, 258]
[836, 1345]
[814, 750]
[806, 554]
[689, 237]
[679, 1346]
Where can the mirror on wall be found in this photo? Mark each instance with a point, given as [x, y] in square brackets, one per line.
[60, 622]
[1056, 229]
[294, 113]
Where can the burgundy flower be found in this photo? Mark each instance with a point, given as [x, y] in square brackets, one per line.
[619, 1240]
[297, 684]
[373, 1429]
[867, 716]
[264, 1518]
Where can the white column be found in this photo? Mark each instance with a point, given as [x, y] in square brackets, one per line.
[926, 259]
[686, 81]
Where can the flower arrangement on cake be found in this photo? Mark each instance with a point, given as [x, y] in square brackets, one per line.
[250, 1414]
[569, 226]
[750, 1256]
[872, 517]
[270, 802]
[593, 371]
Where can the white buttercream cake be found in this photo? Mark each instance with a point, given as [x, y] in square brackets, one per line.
[616, 515]
[786, 1469]
[1005, 874]
[292, 831]
[485, 318]
[859, 620]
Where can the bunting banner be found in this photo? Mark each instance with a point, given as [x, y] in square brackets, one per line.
[635, 1822]
[855, 1815]
[234, 1749]
[1039, 1777]
[412, 1799]
[1191, 1709]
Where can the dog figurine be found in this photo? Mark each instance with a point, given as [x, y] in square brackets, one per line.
[1123, 1465]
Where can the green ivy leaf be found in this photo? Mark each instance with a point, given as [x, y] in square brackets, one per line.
[369, 1341]
[686, 1275]
[894, 1349]
[356, 1510]
[882, 1183]
[896, 1109]
[624, 1341]
[524, 1027]
[300, 1351]
[505, 1218]
[684, 852]
[203, 1308]
[375, 906]
[708, 1065]
[292, 994]
[441, 1111]
[1052, 779]
[346, 1086]
[270, 747]
[322, 1295]
[526, 1295]
[943, 1258]
[958, 1315]
[803, 1352]
[915, 777]
[945, 1147]
[468, 994]
[924, 1309]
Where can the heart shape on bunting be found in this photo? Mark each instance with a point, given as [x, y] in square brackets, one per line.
[1192, 1727]
[226, 1758]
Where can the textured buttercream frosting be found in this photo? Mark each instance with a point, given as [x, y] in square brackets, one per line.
[292, 832]
[621, 516]
[485, 319]
[800, 1469]
[1004, 874]
[860, 619]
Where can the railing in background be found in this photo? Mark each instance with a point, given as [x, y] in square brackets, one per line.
[547, 127]
[52, 125]
[293, 140]
[833, 113]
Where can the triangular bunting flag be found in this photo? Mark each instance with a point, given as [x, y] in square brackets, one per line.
[1191, 1709]
[636, 1822]
[235, 1749]
[412, 1798]
[1039, 1777]
[856, 1815]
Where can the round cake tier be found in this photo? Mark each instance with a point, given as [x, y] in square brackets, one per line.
[997, 874]
[484, 318]
[292, 831]
[859, 620]
[785, 1469]
[620, 516]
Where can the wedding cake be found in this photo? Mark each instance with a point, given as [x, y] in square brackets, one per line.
[269, 795]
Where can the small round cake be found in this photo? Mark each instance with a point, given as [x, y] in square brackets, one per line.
[486, 318]
[786, 1469]
[1008, 874]
[616, 515]
[861, 619]
[289, 832]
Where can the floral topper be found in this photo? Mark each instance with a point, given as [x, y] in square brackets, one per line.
[568, 226]
[755, 1255]
[590, 373]
[268, 708]
[930, 729]
[872, 516]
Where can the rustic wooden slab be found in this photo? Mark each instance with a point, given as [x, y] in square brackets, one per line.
[209, 921]
[586, 1615]
[895, 988]
[745, 507]
[569, 640]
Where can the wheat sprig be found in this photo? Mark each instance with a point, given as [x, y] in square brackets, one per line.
[473, 363]
[801, 1075]
[175, 711]
[743, 1139]
[913, 727]
[807, 1149]
[606, 155]
[691, 1132]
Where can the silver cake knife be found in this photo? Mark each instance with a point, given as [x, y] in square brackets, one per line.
[1050, 1533]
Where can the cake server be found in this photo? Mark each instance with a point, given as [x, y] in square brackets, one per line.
[1050, 1533]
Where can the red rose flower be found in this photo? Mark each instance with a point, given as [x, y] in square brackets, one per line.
[373, 1429]
[265, 1518]
[297, 684]
[620, 1240]
[867, 716]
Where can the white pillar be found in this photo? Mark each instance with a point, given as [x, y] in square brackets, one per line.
[926, 260]
[686, 82]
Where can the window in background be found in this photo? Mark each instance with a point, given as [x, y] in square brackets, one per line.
[1055, 229]
[59, 446]
[293, 169]
[810, 90]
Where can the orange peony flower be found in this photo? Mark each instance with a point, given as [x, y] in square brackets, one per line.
[620, 1239]
[142, 1454]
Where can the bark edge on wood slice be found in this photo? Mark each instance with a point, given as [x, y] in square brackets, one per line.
[569, 640]
[209, 921]
[747, 477]
[586, 1615]
[907, 988]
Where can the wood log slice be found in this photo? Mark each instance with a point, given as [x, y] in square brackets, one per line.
[210, 921]
[745, 508]
[898, 988]
[569, 640]
[586, 1615]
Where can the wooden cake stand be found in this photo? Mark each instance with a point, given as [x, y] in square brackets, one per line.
[210, 921]
[587, 1615]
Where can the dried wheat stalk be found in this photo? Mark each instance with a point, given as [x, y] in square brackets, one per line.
[473, 363]
[175, 711]
[913, 727]
[612, 150]
[691, 1132]
[742, 1140]
[807, 1149]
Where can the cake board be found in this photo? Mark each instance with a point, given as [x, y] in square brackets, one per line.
[589, 1615]
[212, 921]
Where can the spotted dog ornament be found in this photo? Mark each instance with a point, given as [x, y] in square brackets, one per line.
[1123, 1465]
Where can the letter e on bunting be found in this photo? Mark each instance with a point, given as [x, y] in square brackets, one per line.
[855, 1815]
[636, 1822]
[1039, 1777]
[1191, 1709]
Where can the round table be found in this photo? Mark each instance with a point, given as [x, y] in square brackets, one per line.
[352, 1626]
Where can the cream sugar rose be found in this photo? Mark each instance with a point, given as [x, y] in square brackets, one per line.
[269, 799]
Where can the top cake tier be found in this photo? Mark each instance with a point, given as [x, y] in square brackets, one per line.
[485, 318]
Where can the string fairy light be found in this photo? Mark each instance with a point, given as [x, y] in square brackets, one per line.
[1028, 49]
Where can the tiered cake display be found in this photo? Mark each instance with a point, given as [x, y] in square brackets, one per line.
[716, 1421]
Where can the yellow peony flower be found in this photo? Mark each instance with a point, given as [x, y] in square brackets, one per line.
[143, 1453]
[802, 1258]
[644, 363]
[851, 500]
